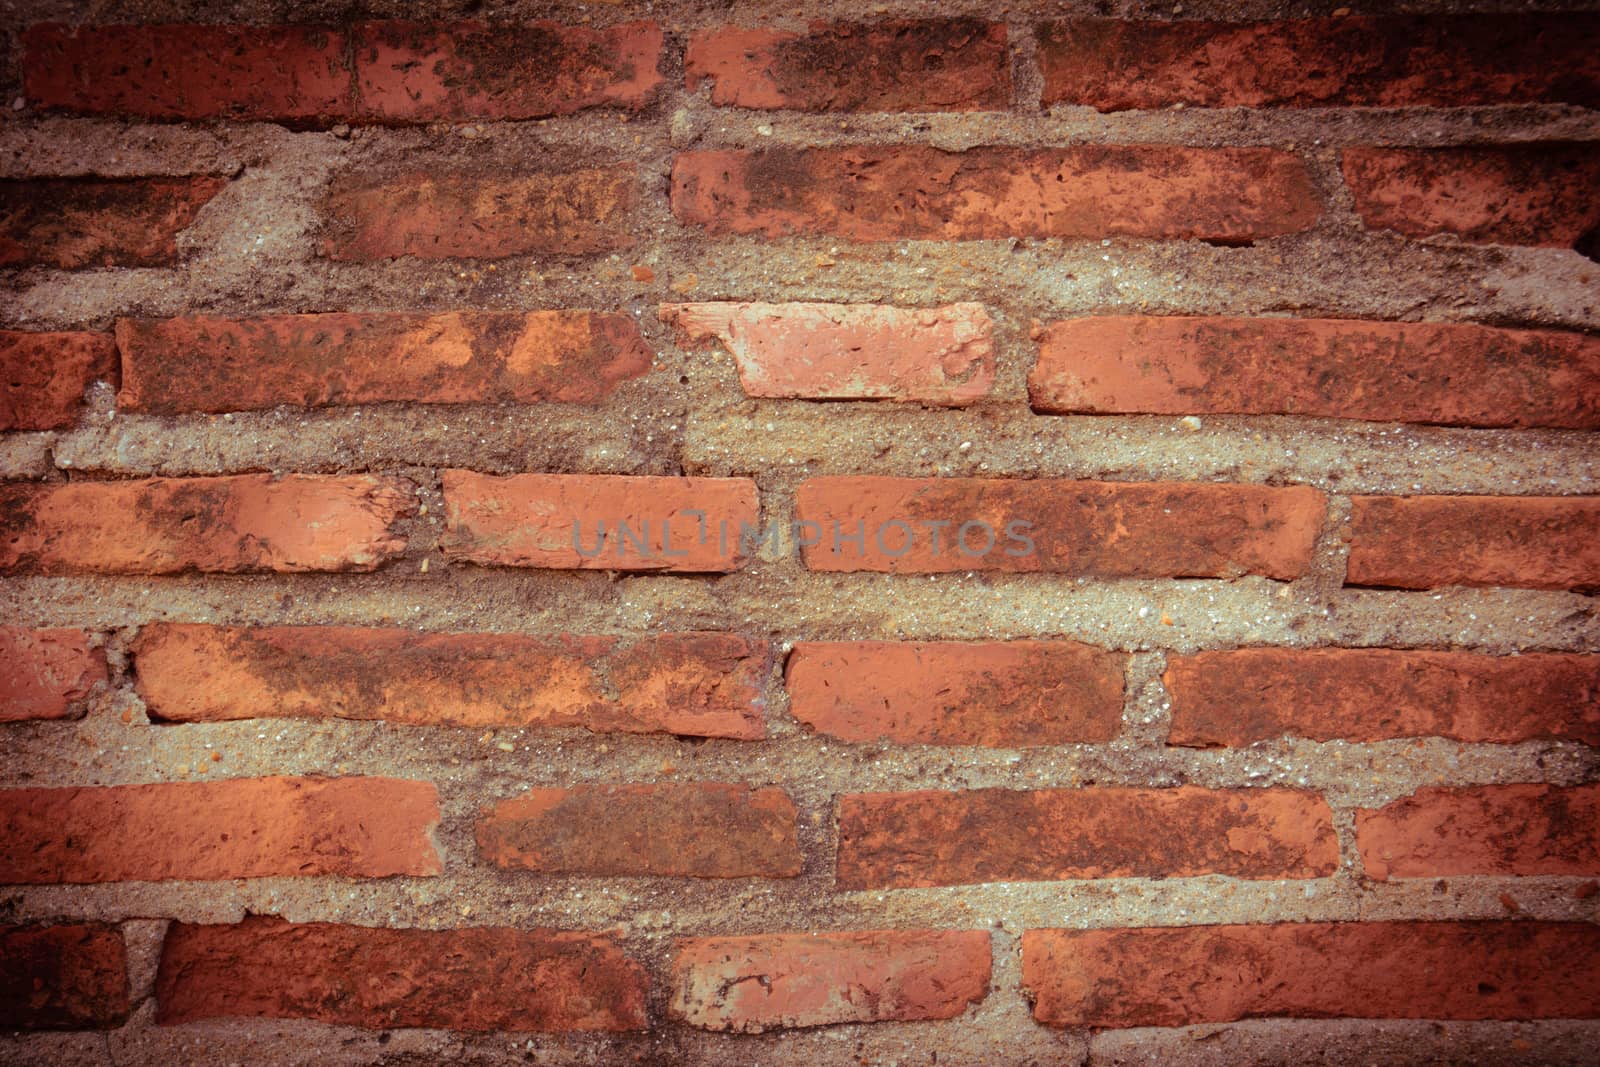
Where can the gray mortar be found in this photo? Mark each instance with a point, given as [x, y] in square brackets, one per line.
[252, 251]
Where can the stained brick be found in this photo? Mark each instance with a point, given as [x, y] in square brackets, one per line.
[75, 223]
[1487, 830]
[43, 376]
[73, 976]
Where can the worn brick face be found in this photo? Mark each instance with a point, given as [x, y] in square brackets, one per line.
[48, 673]
[1483, 830]
[72, 976]
[43, 375]
[81, 223]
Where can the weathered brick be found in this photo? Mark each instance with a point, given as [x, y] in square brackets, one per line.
[43, 376]
[201, 363]
[929, 838]
[72, 223]
[599, 521]
[1375, 970]
[1529, 194]
[47, 672]
[1062, 526]
[1434, 372]
[1486, 829]
[1404, 61]
[940, 355]
[234, 523]
[1001, 693]
[896, 65]
[295, 74]
[478, 215]
[699, 684]
[424, 72]
[236, 828]
[872, 193]
[1236, 698]
[687, 829]
[478, 978]
[751, 984]
[1421, 542]
[68, 977]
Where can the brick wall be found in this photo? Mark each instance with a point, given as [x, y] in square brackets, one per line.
[922, 534]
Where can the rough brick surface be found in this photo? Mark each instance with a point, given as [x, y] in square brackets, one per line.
[201, 363]
[75, 223]
[750, 984]
[1102, 529]
[693, 829]
[237, 828]
[1422, 542]
[246, 522]
[897, 65]
[868, 193]
[423, 72]
[476, 978]
[43, 376]
[901, 840]
[942, 355]
[1456, 374]
[47, 672]
[704, 685]
[1116, 64]
[599, 522]
[1490, 829]
[1534, 194]
[478, 215]
[1236, 698]
[1401, 970]
[68, 977]
[1004, 693]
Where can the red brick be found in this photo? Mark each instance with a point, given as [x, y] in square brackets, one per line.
[200, 363]
[556, 521]
[999, 693]
[236, 523]
[1459, 375]
[751, 984]
[98, 222]
[1117, 64]
[68, 977]
[1489, 829]
[43, 376]
[907, 840]
[940, 355]
[1421, 542]
[204, 831]
[896, 65]
[423, 72]
[295, 74]
[690, 829]
[478, 215]
[48, 672]
[1113, 979]
[1535, 194]
[698, 684]
[479, 978]
[1103, 529]
[1237, 698]
[870, 193]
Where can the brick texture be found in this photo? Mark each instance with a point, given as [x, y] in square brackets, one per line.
[1491, 829]
[475, 978]
[79, 223]
[200, 363]
[869, 193]
[43, 376]
[238, 828]
[1236, 698]
[703, 684]
[896, 65]
[68, 977]
[900, 840]
[1400, 970]
[236, 523]
[691, 829]
[1459, 375]
[1004, 693]
[48, 672]
[750, 984]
